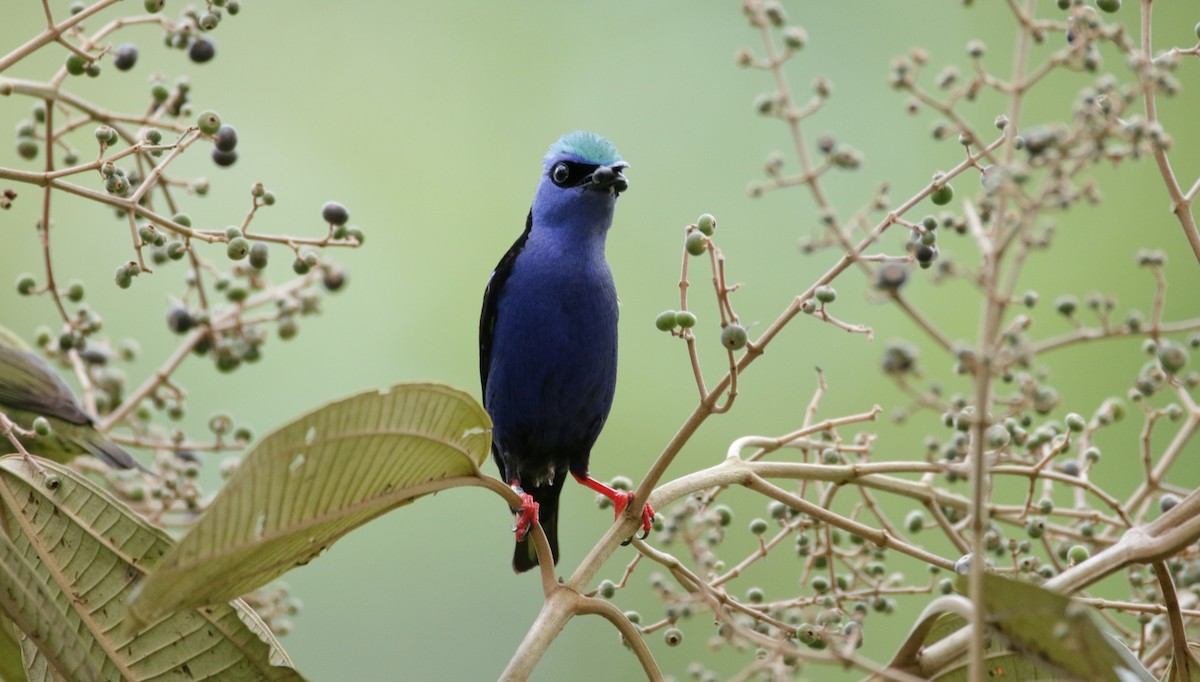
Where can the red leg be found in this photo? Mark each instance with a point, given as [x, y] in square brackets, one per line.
[526, 515]
[619, 499]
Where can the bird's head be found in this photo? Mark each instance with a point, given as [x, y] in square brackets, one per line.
[582, 176]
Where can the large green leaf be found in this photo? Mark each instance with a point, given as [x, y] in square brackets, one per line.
[1051, 628]
[316, 479]
[11, 669]
[70, 556]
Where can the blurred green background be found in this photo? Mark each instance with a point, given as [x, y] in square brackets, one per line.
[429, 121]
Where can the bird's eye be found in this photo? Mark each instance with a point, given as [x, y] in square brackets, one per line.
[560, 173]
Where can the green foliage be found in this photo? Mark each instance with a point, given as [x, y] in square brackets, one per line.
[79, 545]
[289, 499]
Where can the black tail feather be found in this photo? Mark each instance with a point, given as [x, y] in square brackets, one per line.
[110, 453]
[524, 555]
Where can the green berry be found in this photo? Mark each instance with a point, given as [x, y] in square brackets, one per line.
[942, 195]
[27, 148]
[355, 234]
[673, 636]
[153, 5]
[665, 321]
[1066, 305]
[734, 337]
[75, 291]
[209, 20]
[300, 267]
[758, 526]
[122, 277]
[334, 213]
[258, 255]
[724, 514]
[238, 248]
[819, 584]
[1078, 554]
[209, 122]
[946, 586]
[696, 243]
[685, 319]
[755, 595]
[1076, 422]
[233, 232]
[607, 589]
[915, 521]
[176, 250]
[706, 224]
[76, 64]
[1109, 6]
[1035, 527]
[41, 426]
[825, 294]
[25, 284]
[1172, 356]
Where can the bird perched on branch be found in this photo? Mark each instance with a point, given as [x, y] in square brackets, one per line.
[548, 337]
[30, 389]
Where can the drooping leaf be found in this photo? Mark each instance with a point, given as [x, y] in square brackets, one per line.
[1053, 629]
[1185, 668]
[316, 479]
[73, 553]
[11, 669]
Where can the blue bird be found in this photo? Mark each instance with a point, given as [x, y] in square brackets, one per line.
[548, 337]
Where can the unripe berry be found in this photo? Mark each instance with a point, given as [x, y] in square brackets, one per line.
[915, 521]
[825, 294]
[696, 243]
[1078, 554]
[758, 526]
[665, 321]
[258, 255]
[209, 122]
[706, 224]
[942, 195]
[734, 337]
[673, 636]
[238, 248]
[26, 284]
[41, 426]
[685, 319]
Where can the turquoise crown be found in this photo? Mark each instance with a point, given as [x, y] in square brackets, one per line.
[589, 147]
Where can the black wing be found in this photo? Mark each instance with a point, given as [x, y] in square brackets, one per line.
[491, 296]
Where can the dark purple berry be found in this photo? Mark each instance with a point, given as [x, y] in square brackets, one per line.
[227, 138]
[179, 320]
[224, 158]
[334, 213]
[125, 57]
[202, 50]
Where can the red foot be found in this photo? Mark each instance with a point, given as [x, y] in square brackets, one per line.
[619, 499]
[526, 516]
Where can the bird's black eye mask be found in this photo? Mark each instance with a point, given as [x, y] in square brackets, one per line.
[570, 173]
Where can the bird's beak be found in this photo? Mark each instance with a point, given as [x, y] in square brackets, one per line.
[609, 178]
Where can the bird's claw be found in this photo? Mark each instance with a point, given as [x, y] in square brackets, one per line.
[623, 501]
[526, 516]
